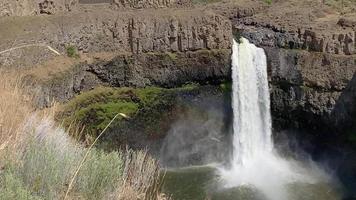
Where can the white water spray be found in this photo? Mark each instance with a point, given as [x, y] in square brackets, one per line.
[251, 103]
[255, 163]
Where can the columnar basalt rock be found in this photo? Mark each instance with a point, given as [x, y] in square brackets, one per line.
[311, 49]
[333, 42]
[308, 88]
[141, 32]
[181, 31]
[50, 7]
[311, 53]
[135, 33]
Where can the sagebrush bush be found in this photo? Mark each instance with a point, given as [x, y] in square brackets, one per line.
[49, 159]
[12, 188]
[72, 51]
[269, 2]
[100, 174]
[38, 159]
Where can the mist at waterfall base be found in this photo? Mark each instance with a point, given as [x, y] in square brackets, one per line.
[255, 162]
[201, 133]
[237, 145]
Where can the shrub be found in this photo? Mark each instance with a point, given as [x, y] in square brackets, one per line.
[11, 188]
[72, 51]
[95, 109]
[269, 2]
[49, 159]
[99, 175]
[205, 1]
[38, 159]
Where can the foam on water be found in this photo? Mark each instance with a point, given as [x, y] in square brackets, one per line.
[254, 161]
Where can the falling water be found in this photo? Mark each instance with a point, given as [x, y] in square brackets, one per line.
[251, 103]
[255, 162]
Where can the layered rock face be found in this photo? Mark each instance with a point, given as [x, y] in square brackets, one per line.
[50, 7]
[35, 7]
[148, 69]
[137, 32]
[312, 90]
[311, 49]
[128, 32]
[312, 61]
[161, 48]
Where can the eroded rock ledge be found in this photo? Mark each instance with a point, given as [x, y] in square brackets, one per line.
[50, 7]
[130, 70]
[129, 32]
[311, 51]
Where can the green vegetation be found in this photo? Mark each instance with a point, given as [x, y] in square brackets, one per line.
[94, 109]
[269, 2]
[46, 159]
[38, 159]
[48, 162]
[237, 35]
[226, 86]
[72, 51]
[172, 56]
[205, 1]
[13, 188]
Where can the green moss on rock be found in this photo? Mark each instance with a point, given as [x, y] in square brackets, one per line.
[95, 109]
[226, 86]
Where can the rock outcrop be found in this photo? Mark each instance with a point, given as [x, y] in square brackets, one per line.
[130, 32]
[35, 7]
[311, 48]
[311, 54]
[129, 70]
[307, 25]
[51, 7]
[308, 89]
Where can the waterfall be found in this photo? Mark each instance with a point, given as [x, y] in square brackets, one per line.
[251, 103]
[255, 162]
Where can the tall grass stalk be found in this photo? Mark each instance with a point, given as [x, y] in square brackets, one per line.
[39, 160]
[87, 153]
[15, 107]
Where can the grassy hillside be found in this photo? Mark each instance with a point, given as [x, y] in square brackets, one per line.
[38, 159]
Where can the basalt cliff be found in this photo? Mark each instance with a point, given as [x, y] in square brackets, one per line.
[69, 47]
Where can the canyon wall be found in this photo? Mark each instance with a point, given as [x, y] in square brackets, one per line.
[133, 49]
[312, 63]
[50, 7]
[35, 7]
[311, 51]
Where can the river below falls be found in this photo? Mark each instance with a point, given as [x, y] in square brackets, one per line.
[203, 183]
[257, 171]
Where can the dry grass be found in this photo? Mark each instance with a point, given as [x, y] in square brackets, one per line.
[15, 108]
[39, 159]
[141, 178]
